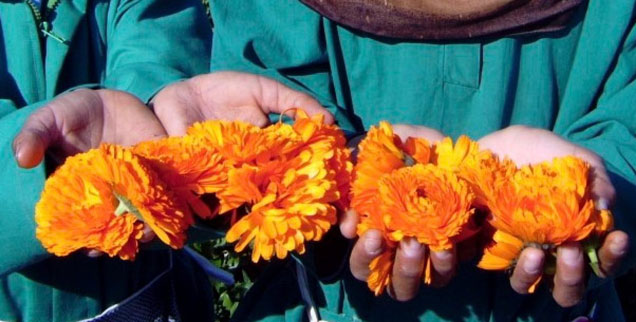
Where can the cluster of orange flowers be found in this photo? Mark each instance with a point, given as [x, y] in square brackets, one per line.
[281, 186]
[430, 193]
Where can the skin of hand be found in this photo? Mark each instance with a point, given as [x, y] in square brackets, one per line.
[81, 120]
[406, 277]
[229, 96]
[570, 277]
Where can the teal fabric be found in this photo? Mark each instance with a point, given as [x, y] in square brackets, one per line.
[578, 82]
[137, 46]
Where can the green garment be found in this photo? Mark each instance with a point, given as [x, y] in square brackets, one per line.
[137, 46]
[578, 82]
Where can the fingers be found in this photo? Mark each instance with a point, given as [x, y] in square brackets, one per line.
[278, 98]
[407, 270]
[405, 131]
[348, 223]
[613, 251]
[528, 270]
[569, 281]
[369, 246]
[38, 132]
[444, 266]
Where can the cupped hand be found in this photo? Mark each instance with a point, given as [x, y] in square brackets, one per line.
[81, 120]
[229, 96]
[410, 256]
[525, 145]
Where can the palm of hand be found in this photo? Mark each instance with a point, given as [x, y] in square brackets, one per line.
[81, 120]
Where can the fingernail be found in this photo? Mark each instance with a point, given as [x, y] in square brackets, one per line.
[532, 265]
[444, 255]
[412, 248]
[602, 204]
[94, 253]
[617, 247]
[373, 244]
[570, 255]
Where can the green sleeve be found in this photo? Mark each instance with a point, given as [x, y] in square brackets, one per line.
[19, 192]
[149, 45]
[282, 40]
[153, 43]
[610, 130]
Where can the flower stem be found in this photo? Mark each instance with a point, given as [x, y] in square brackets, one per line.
[590, 250]
[126, 206]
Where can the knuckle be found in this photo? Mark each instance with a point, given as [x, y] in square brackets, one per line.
[568, 300]
[569, 280]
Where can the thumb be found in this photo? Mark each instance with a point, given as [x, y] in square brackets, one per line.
[602, 189]
[39, 132]
[278, 98]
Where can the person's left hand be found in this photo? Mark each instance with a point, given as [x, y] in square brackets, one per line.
[525, 145]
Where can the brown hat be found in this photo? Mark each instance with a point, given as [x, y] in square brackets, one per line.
[447, 19]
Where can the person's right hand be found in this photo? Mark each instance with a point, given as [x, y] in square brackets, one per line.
[229, 96]
[80, 120]
[406, 277]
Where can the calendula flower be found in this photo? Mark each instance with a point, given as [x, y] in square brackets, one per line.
[237, 142]
[423, 202]
[427, 203]
[543, 205]
[327, 142]
[379, 153]
[188, 167]
[450, 156]
[287, 208]
[101, 199]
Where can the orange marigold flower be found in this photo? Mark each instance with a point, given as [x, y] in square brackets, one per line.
[328, 142]
[100, 200]
[425, 202]
[543, 205]
[379, 153]
[548, 203]
[380, 270]
[449, 156]
[288, 208]
[419, 149]
[239, 143]
[188, 167]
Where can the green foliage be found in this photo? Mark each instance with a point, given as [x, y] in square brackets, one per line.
[222, 254]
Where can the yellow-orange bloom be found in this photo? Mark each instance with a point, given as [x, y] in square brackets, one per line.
[100, 200]
[379, 154]
[188, 167]
[542, 205]
[237, 142]
[424, 202]
[427, 203]
[380, 270]
[451, 156]
[327, 142]
[289, 206]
